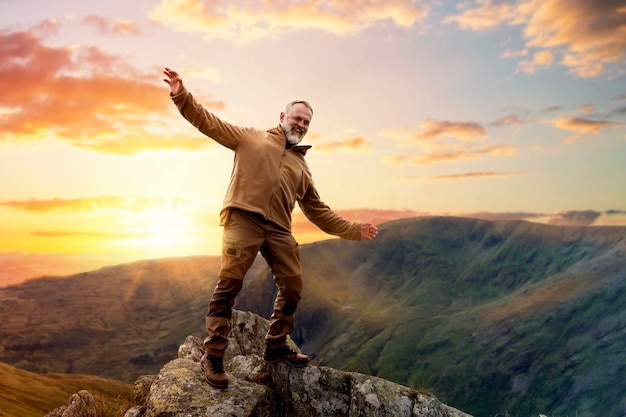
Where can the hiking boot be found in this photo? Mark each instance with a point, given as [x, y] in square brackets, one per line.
[285, 354]
[213, 367]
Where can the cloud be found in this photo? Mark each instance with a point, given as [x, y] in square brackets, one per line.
[541, 59]
[551, 109]
[514, 54]
[466, 175]
[587, 108]
[443, 140]
[82, 95]
[242, 21]
[86, 205]
[431, 129]
[452, 153]
[516, 215]
[583, 126]
[588, 34]
[354, 144]
[108, 26]
[575, 218]
[72, 233]
[508, 120]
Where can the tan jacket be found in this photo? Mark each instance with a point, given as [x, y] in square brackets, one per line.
[267, 178]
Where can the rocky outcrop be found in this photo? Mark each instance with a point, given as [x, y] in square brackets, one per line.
[81, 404]
[258, 389]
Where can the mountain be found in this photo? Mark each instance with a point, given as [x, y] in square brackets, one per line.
[115, 322]
[27, 394]
[495, 317]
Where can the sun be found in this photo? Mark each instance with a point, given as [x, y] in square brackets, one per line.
[162, 231]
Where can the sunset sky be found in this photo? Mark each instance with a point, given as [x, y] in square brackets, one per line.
[490, 109]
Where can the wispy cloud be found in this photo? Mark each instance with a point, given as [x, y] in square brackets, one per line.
[109, 26]
[575, 218]
[465, 175]
[540, 60]
[83, 234]
[443, 140]
[432, 129]
[85, 205]
[495, 216]
[511, 119]
[583, 126]
[353, 144]
[84, 96]
[242, 21]
[448, 153]
[587, 34]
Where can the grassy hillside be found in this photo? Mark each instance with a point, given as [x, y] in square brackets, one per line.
[27, 394]
[496, 317]
[117, 322]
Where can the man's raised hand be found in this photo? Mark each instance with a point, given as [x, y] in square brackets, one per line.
[173, 80]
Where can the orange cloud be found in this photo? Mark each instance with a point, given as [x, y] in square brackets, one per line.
[81, 95]
[489, 174]
[432, 129]
[588, 33]
[583, 126]
[107, 26]
[493, 216]
[98, 235]
[354, 144]
[453, 154]
[242, 21]
[541, 59]
[82, 205]
[508, 120]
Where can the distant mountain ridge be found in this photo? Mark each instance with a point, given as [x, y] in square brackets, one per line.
[496, 317]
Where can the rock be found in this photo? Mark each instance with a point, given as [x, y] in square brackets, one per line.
[180, 390]
[81, 404]
[258, 389]
[261, 390]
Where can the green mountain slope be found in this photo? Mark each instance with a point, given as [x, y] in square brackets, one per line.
[116, 322]
[496, 317]
[27, 394]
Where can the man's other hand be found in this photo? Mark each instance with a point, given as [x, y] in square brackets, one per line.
[368, 231]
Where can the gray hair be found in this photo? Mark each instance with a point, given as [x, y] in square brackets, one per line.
[293, 103]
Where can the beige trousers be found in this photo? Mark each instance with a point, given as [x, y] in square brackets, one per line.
[245, 234]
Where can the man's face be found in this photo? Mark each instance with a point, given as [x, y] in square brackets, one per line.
[296, 122]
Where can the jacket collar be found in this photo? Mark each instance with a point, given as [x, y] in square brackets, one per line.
[297, 148]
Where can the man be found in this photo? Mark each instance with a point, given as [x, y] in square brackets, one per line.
[269, 176]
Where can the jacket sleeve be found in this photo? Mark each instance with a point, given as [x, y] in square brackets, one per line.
[206, 122]
[323, 217]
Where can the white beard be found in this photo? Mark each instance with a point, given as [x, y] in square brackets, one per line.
[292, 137]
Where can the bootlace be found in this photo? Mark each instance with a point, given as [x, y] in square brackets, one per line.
[217, 364]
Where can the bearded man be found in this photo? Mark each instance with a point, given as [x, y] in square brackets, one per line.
[269, 176]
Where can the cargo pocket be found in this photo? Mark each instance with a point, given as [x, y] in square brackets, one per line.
[230, 249]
